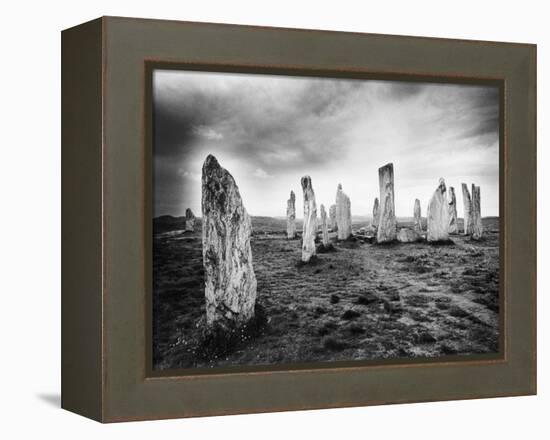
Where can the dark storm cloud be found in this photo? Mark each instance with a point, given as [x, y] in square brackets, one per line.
[400, 90]
[178, 117]
[472, 111]
[273, 129]
[485, 109]
[290, 128]
[171, 130]
[326, 99]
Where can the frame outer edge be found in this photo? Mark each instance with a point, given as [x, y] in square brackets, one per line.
[81, 213]
[534, 78]
[120, 390]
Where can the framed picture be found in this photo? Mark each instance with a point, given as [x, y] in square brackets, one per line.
[262, 219]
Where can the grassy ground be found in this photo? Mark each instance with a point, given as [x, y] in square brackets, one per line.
[363, 301]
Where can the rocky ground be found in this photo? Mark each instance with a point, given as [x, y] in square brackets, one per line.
[362, 302]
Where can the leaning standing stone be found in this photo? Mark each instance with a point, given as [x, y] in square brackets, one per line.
[332, 216]
[477, 226]
[417, 216]
[438, 214]
[343, 214]
[453, 224]
[324, 226]
[375, 213]
[189, 220]
[310, 220]
[387, 227]
[230, 288]
[291, 216]
[468, 220]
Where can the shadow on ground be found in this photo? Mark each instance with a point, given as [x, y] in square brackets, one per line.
[51, 399]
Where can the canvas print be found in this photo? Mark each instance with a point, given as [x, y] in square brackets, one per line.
[304, 219]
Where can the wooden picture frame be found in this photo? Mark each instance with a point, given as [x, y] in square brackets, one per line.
[106, 218]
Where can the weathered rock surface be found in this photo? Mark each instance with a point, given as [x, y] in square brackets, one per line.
[375, 213]
[310, 220]
[366, 233]
[343, 214]
[189, 220]
[468, 220]
[417, 216]
[332, 215]
[230, 282]
[324, 226]
[453, 223]
[387, 227]
[477, 226]
[438, 214]
[408, 235]
[291, 216]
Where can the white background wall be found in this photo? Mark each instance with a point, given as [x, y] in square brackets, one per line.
[30, 219]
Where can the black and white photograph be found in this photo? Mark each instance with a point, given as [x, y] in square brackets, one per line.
[301, 219]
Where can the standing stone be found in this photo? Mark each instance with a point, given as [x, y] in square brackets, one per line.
[230, 282]
[453, 223]
[375, 213]
[477, 226]
[468, 220]
[408, 235]
[343, 214]
[291, 216]
[324, 226]
[189, 220]
[332, 216]
[417, 216]
[310, 220]
[387, 227]
[438, 214]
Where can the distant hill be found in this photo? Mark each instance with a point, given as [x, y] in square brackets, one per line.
[166, 223]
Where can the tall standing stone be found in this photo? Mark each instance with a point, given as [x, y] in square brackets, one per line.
[453, 223]
[291, 216]
[343, 214]
[417, 216]
[477, 226]
[387, 227]
[438, 214]
[332, 217]
[468, 219]
[375, 213]
[230, 282]
[189, 220]
[324, 226]
[310, 220]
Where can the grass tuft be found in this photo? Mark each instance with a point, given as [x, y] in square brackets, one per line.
[221, 340]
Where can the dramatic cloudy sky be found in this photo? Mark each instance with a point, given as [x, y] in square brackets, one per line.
[269, 131]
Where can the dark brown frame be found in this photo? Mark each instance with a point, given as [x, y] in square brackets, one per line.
[106, 194]
[150, 66]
